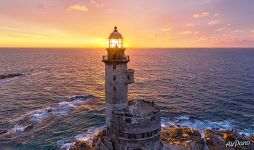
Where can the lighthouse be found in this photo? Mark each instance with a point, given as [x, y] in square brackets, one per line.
[117, 76]
[131, 125]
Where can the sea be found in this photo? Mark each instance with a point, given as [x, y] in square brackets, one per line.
[59, 98]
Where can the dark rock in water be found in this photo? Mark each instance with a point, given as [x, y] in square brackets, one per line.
[29, 127]
[214, 141]
[3, 131]
[10, 75]
[81, 145]
[252, 138]
[181, 139]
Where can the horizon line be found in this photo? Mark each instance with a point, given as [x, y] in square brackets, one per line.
[9, 47]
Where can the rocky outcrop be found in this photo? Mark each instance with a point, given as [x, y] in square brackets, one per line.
[81, 145]
[100, 142]
[231, 140]
[182, 138]
[10, 76]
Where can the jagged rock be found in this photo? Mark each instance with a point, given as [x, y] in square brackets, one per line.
[178, 138]
[102, 141]
[29, 127]
[10, 75]
[220, 140]
[214, 142]
[252, 138]
[181, 139]
[98, 136]
[81, 145]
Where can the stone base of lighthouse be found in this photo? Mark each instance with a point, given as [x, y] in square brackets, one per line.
[135, 128]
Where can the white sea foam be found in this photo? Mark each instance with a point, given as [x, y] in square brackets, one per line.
[183, 117]
[65, 146]
[84, 137]
[17, 129]
[61, 109]
[195, 123]
[89, 135]
[40, 115]
[187, 121]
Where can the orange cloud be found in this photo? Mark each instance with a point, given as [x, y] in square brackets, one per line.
[200, 15]
[214, 22]
[77, 7]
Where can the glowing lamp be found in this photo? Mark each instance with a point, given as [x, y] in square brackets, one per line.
[115, 39]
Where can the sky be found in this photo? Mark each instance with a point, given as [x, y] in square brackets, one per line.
[143, 23]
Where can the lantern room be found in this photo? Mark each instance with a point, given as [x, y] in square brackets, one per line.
[115, 39]
[115, 51]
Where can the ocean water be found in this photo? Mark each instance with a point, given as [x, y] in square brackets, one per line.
[59, 97]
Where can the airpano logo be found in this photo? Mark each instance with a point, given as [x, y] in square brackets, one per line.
[237, 143]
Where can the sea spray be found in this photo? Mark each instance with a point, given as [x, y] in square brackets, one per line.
[88, 137]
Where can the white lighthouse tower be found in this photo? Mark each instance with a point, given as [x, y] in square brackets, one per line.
[117, 76]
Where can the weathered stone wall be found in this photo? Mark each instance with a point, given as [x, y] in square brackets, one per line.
[147, 144]
[134, 132]
[116, 89]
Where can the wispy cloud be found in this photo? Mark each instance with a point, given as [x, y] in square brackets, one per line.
[214, 22]
[77, 7]
[200, 15]
[224, 28]
[96, 4]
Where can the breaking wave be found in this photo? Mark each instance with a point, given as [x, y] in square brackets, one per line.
[201, 125]
[50, 113]
[84, 137]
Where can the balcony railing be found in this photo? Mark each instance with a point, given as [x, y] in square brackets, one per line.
[107, 58]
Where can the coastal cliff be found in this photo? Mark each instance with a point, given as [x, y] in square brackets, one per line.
[182, 138]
